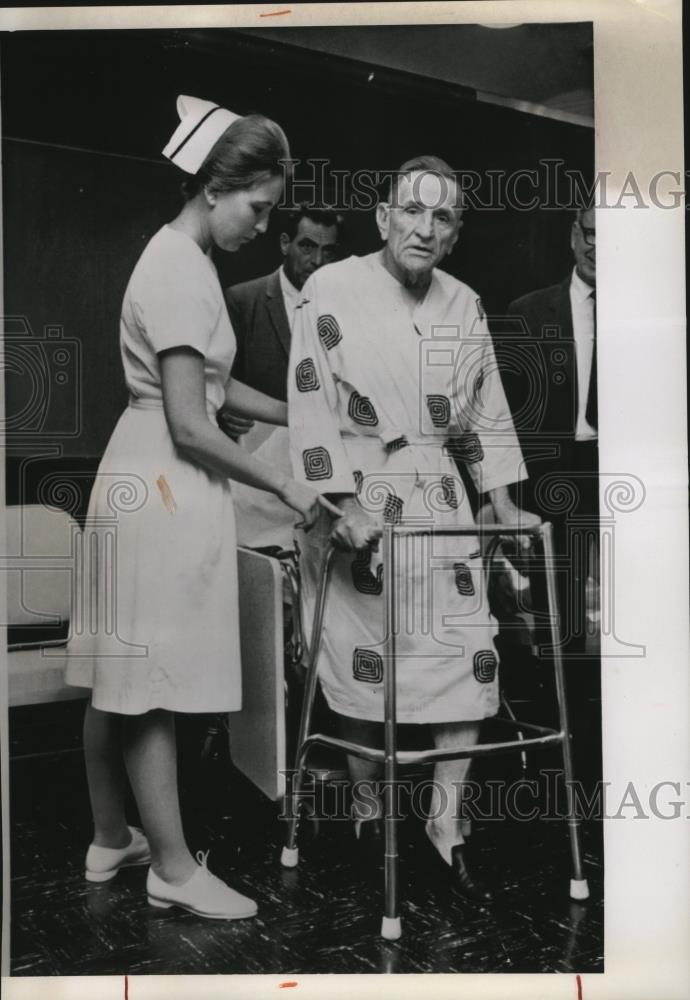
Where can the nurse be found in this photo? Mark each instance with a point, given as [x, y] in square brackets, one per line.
[161, 633]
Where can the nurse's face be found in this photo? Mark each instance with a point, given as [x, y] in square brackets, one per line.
[236, 217]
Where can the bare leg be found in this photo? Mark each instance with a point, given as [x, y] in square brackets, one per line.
[106, 776]
[151, 757]
[366, 804]
[445, 828]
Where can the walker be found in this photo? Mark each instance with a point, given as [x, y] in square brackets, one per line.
[390, 756]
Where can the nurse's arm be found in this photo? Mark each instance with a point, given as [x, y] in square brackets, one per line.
[201, 441]
[247, 402]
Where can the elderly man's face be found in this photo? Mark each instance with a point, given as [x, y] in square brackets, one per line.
[421, 226]
[583, 243]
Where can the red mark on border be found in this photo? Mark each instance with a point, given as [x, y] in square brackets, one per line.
[276, 13]
[126, 988]
[578, 980]
[285, 986]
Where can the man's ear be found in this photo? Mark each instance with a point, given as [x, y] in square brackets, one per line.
[454, 238]
[382, 218]
[572, 236]
[285, 242]
[210, 197]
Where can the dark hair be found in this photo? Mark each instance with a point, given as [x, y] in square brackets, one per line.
[289, 221]
[433, 164]
[584, 201]
[250, 149]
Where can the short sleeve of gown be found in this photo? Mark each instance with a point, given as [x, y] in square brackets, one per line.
[489, 446]
[316, 447]
[177, 297]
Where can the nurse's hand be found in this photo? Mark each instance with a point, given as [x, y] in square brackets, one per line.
[307, 502]
[355, 529]
[232, 424]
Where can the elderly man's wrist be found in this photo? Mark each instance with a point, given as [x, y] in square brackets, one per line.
[280, 485]
[505, 511]
[345, 501]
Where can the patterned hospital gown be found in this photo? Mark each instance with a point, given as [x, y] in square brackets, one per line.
[382, 399]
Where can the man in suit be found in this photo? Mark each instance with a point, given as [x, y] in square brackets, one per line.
[554, 403]
[262, 312]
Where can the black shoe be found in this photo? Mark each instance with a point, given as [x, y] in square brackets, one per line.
[463, 883]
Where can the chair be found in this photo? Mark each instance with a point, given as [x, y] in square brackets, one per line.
[257, 731]
[263, 733]
[39, 565]
[527, 735]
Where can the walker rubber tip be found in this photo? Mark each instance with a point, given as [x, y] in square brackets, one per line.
[579, 888]
[391, 928]
[289, 857]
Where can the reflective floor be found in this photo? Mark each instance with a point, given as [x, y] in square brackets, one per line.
[323, 916]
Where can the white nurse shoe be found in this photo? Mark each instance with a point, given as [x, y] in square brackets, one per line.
[103, 863]
[203, 894]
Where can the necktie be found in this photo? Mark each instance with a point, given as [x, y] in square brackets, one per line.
[591, 411]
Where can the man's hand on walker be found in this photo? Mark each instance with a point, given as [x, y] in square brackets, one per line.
[355, 529]
[515, 547]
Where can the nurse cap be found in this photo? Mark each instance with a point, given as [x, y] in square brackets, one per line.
[202, 123]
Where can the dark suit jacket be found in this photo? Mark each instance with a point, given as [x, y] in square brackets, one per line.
[540, 376]
[258, 317]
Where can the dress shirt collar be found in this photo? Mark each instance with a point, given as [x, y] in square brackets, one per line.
[291, 296]
[583, 310]
[579, 289]
[289, 291]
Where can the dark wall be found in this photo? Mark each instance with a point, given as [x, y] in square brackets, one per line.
[85, 116]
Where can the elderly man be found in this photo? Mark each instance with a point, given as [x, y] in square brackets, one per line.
[392, 378]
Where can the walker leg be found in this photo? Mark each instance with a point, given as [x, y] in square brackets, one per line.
[391, 929]
[579, 889]
[578, 883]
[390, 925]
[290, 854]
[293, 798]
[289, 857]
[519, 733]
